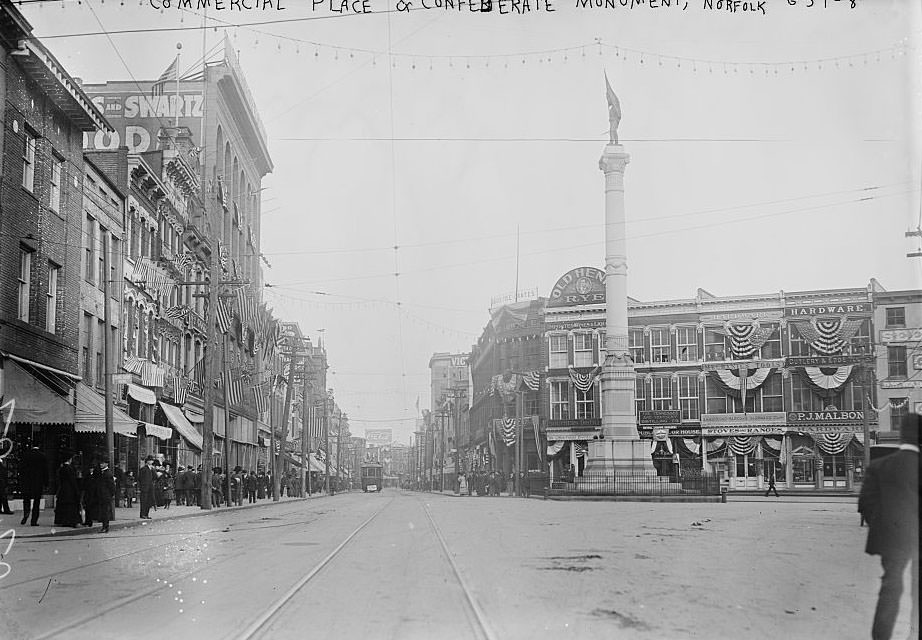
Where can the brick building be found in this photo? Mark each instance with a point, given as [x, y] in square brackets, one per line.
[44, 114]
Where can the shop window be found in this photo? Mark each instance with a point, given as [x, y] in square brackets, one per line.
[635, 344]
[899, 407]
[557, 357]
[661, 393]
[802, 468]
[640, 395]
[896, 316]
[772, 393]
[896, 362]
[772, 347]
[802, 396]
[797, 346]
[715, 347]
[687, 344]
[585, 403]
[716, 398]
[560, 400]
[582, 350]
[660, 350]
[688, 397]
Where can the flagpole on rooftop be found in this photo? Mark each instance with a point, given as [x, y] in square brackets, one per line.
[178, 50]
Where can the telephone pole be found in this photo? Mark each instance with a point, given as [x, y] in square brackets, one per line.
[214, 277]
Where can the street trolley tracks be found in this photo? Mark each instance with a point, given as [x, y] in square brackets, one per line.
[475, 615]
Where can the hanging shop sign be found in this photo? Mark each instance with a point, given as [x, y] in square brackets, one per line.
[900, 335]
[664, 417]
[801, 311]
[825, 417]
[765, 418]
[583, 285]
[807, 429]
[647, 433]
[775, 363]
[901, 384]
[822, 361]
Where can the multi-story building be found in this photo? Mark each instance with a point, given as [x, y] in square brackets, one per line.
[898, 355]
[506, 365]
[449, 375]
[45, 114]
[745, 386]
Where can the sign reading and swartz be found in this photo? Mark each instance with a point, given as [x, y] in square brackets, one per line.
[138, 116]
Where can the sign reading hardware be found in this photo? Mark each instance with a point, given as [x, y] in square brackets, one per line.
[829, 309]
[659, 417]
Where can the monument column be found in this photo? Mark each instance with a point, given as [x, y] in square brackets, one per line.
[621, 450]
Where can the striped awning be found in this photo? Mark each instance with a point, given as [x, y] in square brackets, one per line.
[91, 414]
[35, 401]
[163, 433]
[142, 395]
[181, 424]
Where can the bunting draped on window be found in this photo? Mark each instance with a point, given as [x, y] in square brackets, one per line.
[746, 338]
[152, 375]
[740, 381]
[583, 381]
[833, 443]
[742, 445]
[133, 364]
[691, 445]
[828, 336]
[716, 445]
[825, 379]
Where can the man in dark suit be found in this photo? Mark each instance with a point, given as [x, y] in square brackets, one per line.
[196, 485]
[33, 480]
[146, 478]
[4, 504]
[889, 502]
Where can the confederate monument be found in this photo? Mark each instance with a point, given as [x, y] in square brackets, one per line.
[620, 451]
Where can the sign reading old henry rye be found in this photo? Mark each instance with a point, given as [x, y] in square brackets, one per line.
[583, 285]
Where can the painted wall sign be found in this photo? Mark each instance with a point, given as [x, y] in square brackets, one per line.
[860, 308]
[379, 437]
[665, 417]
[576, 324]
[776, 363]
[674, 432]
[511, 298]
[901, 384]
[826, 416]
[740, 419]
[821, 361]
[743, 315]
[137, 116]
[575, 423]
[742, 430]
[900, 335]
[583, 285]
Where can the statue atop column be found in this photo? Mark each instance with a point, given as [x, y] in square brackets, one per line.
[614, 112]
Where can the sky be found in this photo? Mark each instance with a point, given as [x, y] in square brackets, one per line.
[769, 151]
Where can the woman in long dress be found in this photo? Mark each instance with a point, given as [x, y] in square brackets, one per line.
[67, 499]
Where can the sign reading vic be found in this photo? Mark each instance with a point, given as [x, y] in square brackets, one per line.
[583, 285]
[664, 417]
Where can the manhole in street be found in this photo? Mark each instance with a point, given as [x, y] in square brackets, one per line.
[299, 544]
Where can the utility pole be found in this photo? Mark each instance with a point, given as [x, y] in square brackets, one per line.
[214, 277]
[458, 434]
[107, 353]
[443, 414]
[519, 410]
[326, 445]
[286, 418]
[339, 466]
[868, 387]
[305, 412]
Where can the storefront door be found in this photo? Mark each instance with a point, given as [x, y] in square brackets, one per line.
[834, 471]
[746, 472]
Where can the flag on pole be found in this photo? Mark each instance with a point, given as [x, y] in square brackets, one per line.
[232, 390]
[259, 396]
[222, 317]
[158, 88]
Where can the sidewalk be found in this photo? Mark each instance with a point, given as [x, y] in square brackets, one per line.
[124, 517]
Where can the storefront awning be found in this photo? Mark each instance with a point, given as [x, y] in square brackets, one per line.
[35, 401]
[182, 425]
[163, 433]
[141, 394]
[91, 414]
[292, 460]
[570, 434]
[316, 465]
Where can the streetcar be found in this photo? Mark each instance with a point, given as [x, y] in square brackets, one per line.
[372, 476]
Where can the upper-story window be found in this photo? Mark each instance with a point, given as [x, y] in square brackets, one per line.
[25, 283]
[662, 393]
[28, 159]
[582, 350]
[635, 344]
[772, 347]
[640, 395]
[715, 347]
[659, 345]
[861, 341]
[896, 316]
[896, 362]
[687, 344]
[89, 250]
[560, 400]
[688, 397]
[585, 403]
[797, 346]
[557, 357]
[51, 298]
[54, 191]
[717, 399]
